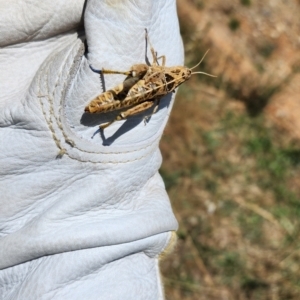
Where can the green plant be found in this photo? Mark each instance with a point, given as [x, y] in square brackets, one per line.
[234, 24]
[245, 2]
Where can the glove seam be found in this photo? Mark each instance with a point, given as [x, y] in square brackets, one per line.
[57, 119]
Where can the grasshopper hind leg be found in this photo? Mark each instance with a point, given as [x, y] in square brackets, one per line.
[131, 112]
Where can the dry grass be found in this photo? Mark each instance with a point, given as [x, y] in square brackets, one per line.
[233, 180]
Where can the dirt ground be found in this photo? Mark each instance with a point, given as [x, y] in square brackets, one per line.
[231, 153]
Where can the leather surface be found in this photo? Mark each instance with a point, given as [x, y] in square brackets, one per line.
[83, 215]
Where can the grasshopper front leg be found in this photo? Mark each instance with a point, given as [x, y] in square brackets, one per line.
[130, 112]
[156, 102]
[154, 55]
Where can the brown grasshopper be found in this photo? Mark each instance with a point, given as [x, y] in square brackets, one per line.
[143, 87]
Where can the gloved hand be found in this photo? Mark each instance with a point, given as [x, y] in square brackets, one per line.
[83, 213]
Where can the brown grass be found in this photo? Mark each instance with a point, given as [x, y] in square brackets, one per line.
[232, 178]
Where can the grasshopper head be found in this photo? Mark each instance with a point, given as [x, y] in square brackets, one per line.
[186, 74]
[181, 74]
[175, 76]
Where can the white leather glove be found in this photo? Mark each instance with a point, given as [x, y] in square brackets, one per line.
[83, 215]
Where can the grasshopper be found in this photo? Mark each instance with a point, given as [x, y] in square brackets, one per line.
[143, 87]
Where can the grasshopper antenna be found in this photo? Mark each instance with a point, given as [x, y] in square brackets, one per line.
[200, 60]
[204, 74]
